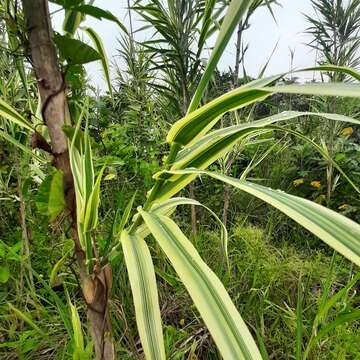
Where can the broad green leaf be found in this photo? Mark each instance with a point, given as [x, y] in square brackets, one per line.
[212, 146]
[221, 317]
[194, 125]
[100, 14]
[98, 44]
[224, 138]
[318, 89]
[75, 51]
[9, 113]
[4, 274]
[144, 289]
[50, 199]
[339, 232]
[235, 12]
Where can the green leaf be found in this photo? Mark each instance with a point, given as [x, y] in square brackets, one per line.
[78, 337]
[92, 206]
[225, 324]
[120, 225]
[196, 124]
[299, 322]
[206, 22]
[170, 205]
[110, 176]
[325, 307]
[72, 21]
[75, 51]
[143, 286]
[26, 318]
[50, 199]
[334, 68]
[100, 14]
[9, 113]
[339, 232]
[4, 274]
[212, 146]
[87, 160]
[235, 12]
[339, 320]
[95, 38]
[54, 279]
[22, 147]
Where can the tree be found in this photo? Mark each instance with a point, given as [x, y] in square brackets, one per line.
[96, 282]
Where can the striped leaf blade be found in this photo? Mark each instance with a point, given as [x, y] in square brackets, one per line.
[99, 47]
[339, 232]
[196, 124]
[9, 113]
[235, 12]
[143, 286]
[225, 324]
[212, 146]
[227, 136]
[334, 68]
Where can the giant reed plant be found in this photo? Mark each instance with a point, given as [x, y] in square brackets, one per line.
[194, 145]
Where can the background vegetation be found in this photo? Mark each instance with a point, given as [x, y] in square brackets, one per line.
[299, 298]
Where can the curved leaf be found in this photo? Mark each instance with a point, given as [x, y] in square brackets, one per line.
[95, 38]
[212, 146]
[194, 125]
[22, 147]
[169, 206]
[9, 113]
[339, 232]
[235, 12]
[99, 13]
[334, 68]
[143, 286]
[221, 317]
[75, 51]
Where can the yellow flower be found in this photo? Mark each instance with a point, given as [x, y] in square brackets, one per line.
[347, 132]
[343, 206]
[182, 322]
[316, 184]
[298, 182]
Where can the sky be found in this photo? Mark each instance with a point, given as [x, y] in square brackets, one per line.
[262, 37]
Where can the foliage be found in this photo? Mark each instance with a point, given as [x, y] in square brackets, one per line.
[269, 289]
